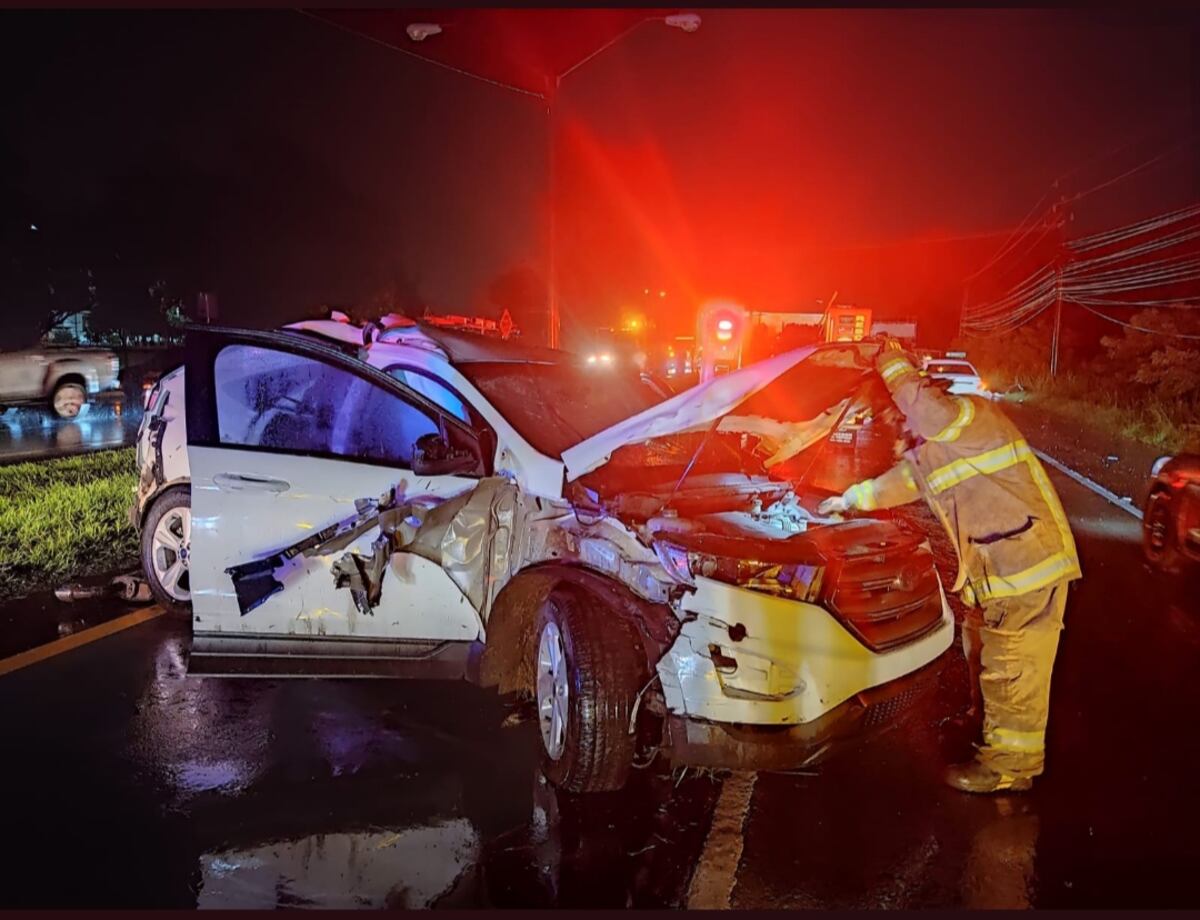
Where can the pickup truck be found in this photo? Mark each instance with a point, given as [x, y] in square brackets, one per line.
[62, 378]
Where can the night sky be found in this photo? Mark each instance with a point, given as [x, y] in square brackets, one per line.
[771, 157]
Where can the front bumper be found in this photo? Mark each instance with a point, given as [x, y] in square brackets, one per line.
[699, 743]
[747, 658]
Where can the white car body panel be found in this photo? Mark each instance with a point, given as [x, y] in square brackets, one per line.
[795, 663]
[418, 601]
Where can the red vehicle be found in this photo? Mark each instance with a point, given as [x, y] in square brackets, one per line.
[1171, 525]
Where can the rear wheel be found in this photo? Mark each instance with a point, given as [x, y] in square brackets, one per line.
[588, 669]
[166, 550]
[1158, 532]
[68, 400]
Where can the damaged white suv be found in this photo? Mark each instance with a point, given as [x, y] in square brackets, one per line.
[649, 571]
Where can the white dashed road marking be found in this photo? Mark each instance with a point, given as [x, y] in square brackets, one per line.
[712, 883]
[1104, 493]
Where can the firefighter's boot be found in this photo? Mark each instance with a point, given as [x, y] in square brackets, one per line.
[974, 776]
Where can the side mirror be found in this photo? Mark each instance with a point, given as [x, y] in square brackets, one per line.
[432, 456]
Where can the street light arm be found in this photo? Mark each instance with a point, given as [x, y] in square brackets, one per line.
[688, 22]
[608, 44]
[421, 57]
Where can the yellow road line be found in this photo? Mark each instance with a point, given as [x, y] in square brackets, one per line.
[83, 637]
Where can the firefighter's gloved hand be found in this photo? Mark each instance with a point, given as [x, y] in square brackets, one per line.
[835, 504]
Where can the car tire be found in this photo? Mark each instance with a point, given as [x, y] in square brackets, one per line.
[68, 400]
[1158, 532]
[588, 667]
[166, 541]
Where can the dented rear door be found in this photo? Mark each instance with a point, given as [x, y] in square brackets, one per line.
[288, 438]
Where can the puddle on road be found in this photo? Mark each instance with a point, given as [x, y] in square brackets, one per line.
[409, 867]
[27, 434]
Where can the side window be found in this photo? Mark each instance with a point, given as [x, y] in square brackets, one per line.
[273, 399]
[433, 390]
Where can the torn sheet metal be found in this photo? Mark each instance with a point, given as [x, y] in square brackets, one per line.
[254, 582]
[456, 534]
[153, 474]
[469, 535]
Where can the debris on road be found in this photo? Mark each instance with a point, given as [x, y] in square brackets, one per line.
[130, 588]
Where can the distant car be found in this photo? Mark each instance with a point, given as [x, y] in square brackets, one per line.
[61, 378]
[1171, 523]
[964, 379]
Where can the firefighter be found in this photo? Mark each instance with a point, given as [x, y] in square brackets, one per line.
[1015, 551]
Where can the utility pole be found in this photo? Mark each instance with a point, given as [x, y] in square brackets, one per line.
[1059, 217]
[552, 319]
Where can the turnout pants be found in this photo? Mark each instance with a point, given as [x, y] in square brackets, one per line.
[1010, 644]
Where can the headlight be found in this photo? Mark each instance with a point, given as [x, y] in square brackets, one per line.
[795, 580]
[1159, 464]
[675, 560]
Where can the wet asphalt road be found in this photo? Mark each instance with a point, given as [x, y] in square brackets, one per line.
[131, 785]
[33, 434]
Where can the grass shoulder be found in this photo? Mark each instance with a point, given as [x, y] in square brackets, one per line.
[65, 518]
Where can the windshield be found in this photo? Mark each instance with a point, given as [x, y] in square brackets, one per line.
[555, 406]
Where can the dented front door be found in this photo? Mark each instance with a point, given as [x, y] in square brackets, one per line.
[284, 437]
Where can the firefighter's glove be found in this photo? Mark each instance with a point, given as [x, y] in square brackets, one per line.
[835, 504]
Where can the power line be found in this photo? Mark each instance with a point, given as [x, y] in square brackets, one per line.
[1109, 237]
[1136, 169]
[1004, 248]
[1013, 239]
[1113, 319]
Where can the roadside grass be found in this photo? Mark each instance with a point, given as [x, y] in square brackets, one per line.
[65, 518]
[1170, 425]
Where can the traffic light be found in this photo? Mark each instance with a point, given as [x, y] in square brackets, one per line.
[722, 327]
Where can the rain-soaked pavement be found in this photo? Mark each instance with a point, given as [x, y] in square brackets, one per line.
[34, 434]
[131, 785]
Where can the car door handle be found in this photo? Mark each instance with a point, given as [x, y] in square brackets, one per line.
[241, 482]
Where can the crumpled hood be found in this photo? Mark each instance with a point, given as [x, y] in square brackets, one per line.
[685, 411]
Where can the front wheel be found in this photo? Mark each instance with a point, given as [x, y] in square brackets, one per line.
[588, 669]
[166, 550]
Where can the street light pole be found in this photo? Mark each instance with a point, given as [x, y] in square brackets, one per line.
[553, 331]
